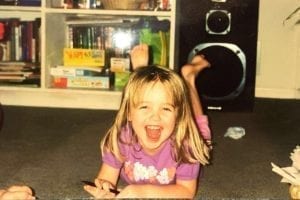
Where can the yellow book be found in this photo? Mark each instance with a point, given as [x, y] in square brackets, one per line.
[84, 57]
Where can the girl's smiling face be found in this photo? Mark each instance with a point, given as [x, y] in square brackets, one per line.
[153, 117]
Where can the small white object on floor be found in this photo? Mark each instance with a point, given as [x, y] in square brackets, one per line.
[235, 132]
[290, 174]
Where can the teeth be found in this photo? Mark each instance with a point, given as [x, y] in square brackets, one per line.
[153, 127]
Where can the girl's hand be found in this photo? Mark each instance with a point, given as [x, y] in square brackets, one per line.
[129, 192]
[16, 192]
[102, 189]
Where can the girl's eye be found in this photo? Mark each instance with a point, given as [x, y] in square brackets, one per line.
[143, 107]
[170, 109]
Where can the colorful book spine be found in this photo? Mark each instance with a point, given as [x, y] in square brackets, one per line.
[88, 82]
[75, 71]
[21, 40]
[84, 57]
[8, 2]
[29, 2]
[119, 64]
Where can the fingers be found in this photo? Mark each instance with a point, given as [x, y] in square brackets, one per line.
[94, 191]
[20, 195]
[98, 193]
[105, 185]
[17, 192]
[22, 188]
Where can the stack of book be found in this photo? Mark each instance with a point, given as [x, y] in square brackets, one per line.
[19, 73]
[101, 42]
[83, 68]
[80, 77]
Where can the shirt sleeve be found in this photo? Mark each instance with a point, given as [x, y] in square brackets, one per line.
[202, 122]
[109, 159]
[187, 171]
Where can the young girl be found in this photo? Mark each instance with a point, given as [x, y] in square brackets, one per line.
[154, 142]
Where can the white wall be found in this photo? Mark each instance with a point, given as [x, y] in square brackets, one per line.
[278, 50]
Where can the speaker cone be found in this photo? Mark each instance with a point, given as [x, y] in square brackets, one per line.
[225, 79]
[218, 22]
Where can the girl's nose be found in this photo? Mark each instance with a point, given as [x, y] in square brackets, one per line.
[155, 115]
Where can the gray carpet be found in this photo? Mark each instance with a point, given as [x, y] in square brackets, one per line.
[51, 150]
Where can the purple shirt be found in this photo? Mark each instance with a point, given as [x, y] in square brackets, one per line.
[140, 167]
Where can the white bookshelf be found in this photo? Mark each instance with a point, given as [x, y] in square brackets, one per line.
[52, 43]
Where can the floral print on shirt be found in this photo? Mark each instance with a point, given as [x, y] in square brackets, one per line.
[137, 172]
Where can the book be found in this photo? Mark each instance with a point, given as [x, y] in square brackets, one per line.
[19, 72]
[18, 66]
[76, 71]
[20, 40]
[119, 64]
[83, 57]
[12, 78]
[21, 77]
[36, 42]
[15, 73]
[13, 25]
[8, 2]
[29, 3]
[88, 82]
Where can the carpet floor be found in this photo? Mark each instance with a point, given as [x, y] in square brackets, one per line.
[52, 150]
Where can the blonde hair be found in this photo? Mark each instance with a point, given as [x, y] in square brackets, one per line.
[187, 142]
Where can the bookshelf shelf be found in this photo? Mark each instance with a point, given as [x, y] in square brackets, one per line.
[21, 8]
[60, 98]
[110, 12]
[53, 41]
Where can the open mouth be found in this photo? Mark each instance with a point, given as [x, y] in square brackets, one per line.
[153, 132]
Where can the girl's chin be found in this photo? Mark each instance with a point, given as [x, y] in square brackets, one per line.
[151, 147]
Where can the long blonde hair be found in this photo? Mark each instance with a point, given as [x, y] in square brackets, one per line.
[187, 142]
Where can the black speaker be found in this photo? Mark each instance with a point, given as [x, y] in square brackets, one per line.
[225, 32]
